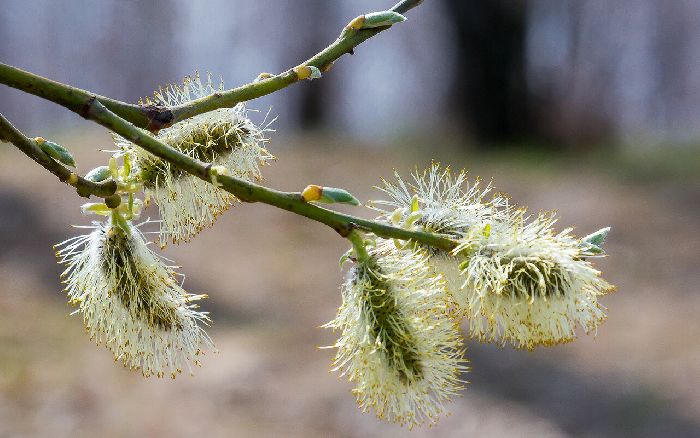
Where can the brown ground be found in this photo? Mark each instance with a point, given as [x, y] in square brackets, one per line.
[273, 279]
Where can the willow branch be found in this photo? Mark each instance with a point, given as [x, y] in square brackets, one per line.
[250, 192]
[155, 117]
[30, 148]
[346, 43]
[76, 99]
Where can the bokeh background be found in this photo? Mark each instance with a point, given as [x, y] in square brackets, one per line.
[589, 107]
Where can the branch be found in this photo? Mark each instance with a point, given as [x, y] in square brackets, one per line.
[251, 192]
[30, 148]
[76, 99]
[153, 117]
[346, 43]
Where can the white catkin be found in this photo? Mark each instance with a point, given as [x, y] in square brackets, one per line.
[224, 137]
[527, 286]
[395, 295]
[131, 301]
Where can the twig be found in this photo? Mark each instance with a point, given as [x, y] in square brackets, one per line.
[84, 187]
[153, 117]
[251, 192]
[74, 98]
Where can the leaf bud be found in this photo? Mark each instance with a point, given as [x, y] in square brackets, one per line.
[55, 151]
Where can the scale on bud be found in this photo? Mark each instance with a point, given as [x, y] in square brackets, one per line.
[307, 72]
[375, 19]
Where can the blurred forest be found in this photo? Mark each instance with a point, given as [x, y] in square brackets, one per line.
[590, 107]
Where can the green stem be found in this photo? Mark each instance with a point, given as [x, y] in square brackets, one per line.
[155, 117]
[76, 99]
[250, 192]
[358, 245]
[30, 148]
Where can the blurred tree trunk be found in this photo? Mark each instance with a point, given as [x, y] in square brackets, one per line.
[489, 90]
[313, 96]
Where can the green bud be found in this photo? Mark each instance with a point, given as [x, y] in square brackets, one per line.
[384, 18]
[98, 174]
[332, 195]
[113, 201]
[56, 151]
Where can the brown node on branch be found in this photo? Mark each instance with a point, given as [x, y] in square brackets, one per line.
[345, 229]
[84, 110]
[158, 116]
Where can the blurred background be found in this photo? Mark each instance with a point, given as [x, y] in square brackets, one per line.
[590, 107]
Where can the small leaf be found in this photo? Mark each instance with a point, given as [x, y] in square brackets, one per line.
[597, 238]
[126, 168]
[98, 174]
[396, 216]
[414, 204]
[57, 152]
[99, 208]
[590, 249]
[412, 218]
[332, 195]
[399, 244]
[463, 265]
[345, 257]
[114, 168]
[384, 18]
